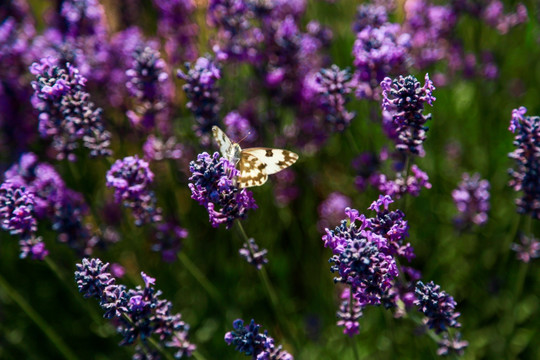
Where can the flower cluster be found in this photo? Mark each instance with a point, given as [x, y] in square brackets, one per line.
[212, 184]
[526, 175]
[251, 253]
[238, 127]
[148, 82]
[372, 15]
[363, 253]
[528, 249]
[437, 305]
[131, 179]
[378, 52]
[404, 97]
[203, 93]
[138, 313]
[248, 340]
[350, 311]
[331, 209]
[334, 85]
[66, 113]
[168, 240]
[494, 16]
[472, 201]
[401, 186]
[55, 202]
[157, 149]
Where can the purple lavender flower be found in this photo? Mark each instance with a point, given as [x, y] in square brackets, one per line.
[331, 209]
[285, 189]
[359, 258]
[148, 82]
[250, 251]
[350, 311]
[366, 166]
[378, 52]
[405, 99]
[454, 345]
[494, 16]
[212, 185]
[400, 296]
[334, 85]
[472, 201]
[138, 313]
[372, 15]
[82, 18]
[176, 26]
[248, 340]
[66, 113]
[157, 149]
[168, 240]
[525, 177]
[131, 179]
[401, 186]
[17, 209]
[528, 249]
[437, 305]
[203, 93]
[33, 246]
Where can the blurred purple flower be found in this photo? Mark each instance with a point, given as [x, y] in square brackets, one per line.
[526, 175]
[437, 305]
[168, 240]
[148, 82]
[528, 249]
[454, 345]
[285, 189]
[203, 94]
[493, 14]
[239, 128]
[371, 15]
[212, 185]
[472, 201]
[331, 210]
[350, 311]
[17, 209]
[66, 113]
[250, 251]
[131, 179]
[249, 341]
[156, 149]
[405, 99]
[334, 85]
[401, 186]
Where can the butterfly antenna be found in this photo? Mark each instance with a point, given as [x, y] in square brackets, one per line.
[242, 139]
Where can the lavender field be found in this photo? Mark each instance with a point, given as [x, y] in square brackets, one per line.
[269, 179]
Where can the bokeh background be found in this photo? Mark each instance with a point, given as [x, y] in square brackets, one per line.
[497, 295]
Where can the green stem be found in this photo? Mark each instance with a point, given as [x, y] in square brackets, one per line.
[352, 141]
[355, 350]
[199, 276]
[407, 168]
[198, 356]
[38, 320]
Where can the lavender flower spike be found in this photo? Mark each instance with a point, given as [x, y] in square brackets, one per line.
[249, 341]
[526, 174]
[212, 185]
[66, 113]
[437, 305]
[405, 99]
[472, 201]
[131, 178]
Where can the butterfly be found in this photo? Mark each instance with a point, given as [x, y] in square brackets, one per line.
[254, 164]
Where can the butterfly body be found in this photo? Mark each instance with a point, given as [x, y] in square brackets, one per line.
[254, 164]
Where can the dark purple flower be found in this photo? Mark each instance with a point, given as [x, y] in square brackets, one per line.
[366, 166]
[176, 25]
[131, 179]
[212, 184]
[334, 85]
[378, 52]
[239, 128]
[285, 189]
[250, 251]
[82, 18]
[168, 240]
[526, 175]
[437, 305]
[452, 345]
[350, 311]
[372, 15]
[66, 113]
[33, 246]
[331, 209]
[148, 82]
[528, 249]
[249, 341]
[405, 99]
[17, 209]
[359, 258]
[202, 91]
[138, 313]
[472, 201]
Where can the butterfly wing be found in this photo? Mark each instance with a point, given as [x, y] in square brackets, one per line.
[274, 160]
[252, 171]
[225, 144]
